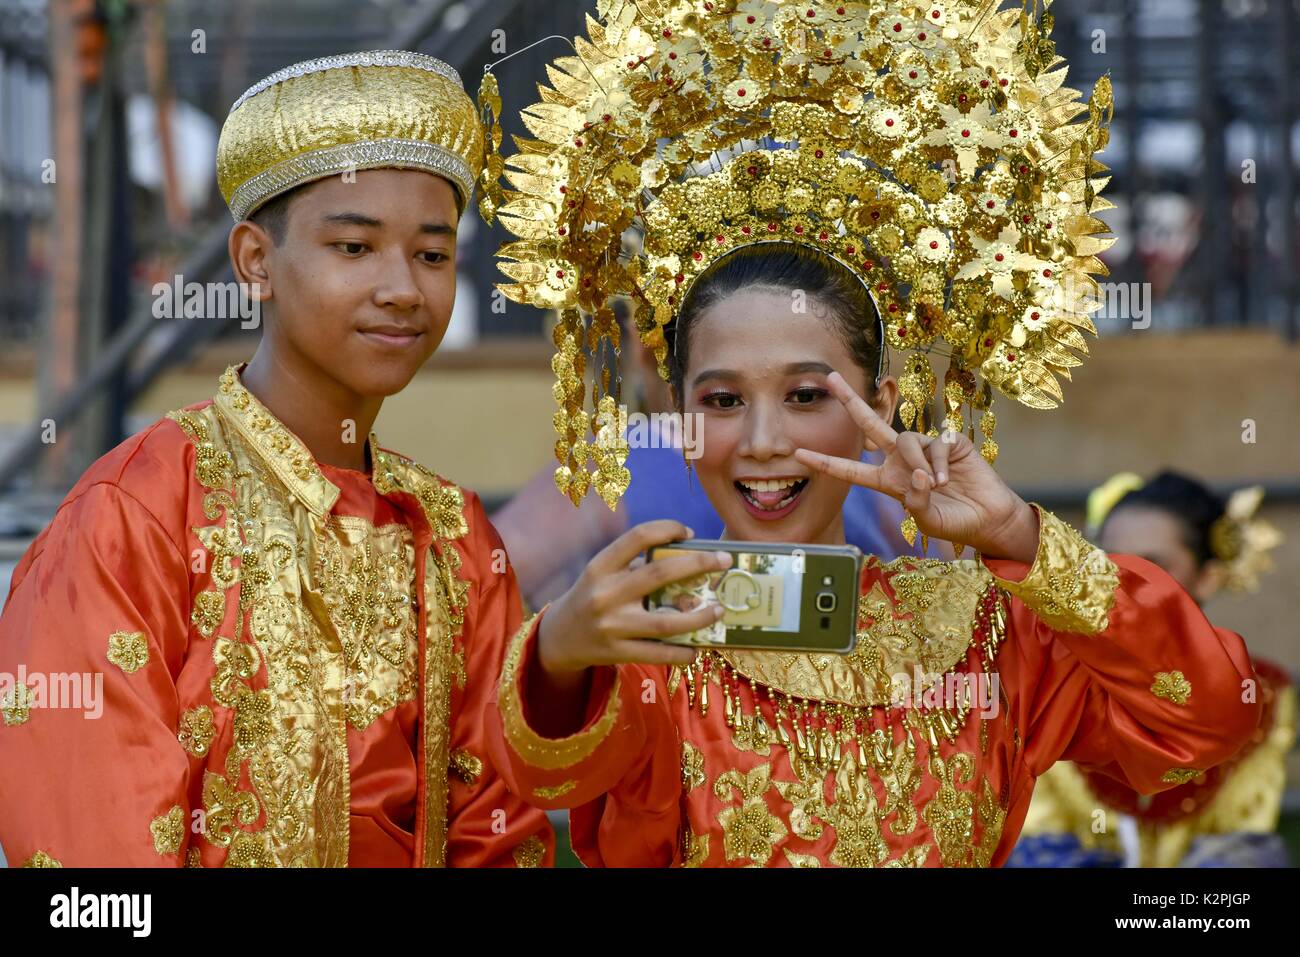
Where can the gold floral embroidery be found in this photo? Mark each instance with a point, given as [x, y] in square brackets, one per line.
[551, 792]
[530, 853]
[224, 807]
[209, 612]
[17, 705]
[196, 732]
[168, 831]
[801, 860]
[695, 847]
[129, 650]
[1071, 584]
[807, 805]
[465, 766]
[692, 767]
[751, 830]
[41, 859]
[912, 857]
[992, 816]
[193, 858]
[1172, 686]
[1180, 775]
[855, 817]
[949, 811]
[250, 850]
[550, 754]
[366, 575]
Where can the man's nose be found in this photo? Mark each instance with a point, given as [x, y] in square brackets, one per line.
[397, 288]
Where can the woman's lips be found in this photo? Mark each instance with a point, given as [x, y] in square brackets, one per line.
[755, 502]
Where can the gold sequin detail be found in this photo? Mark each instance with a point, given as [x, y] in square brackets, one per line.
[1172, 686]
[41, 859]
[695, 847]
[750, 830]
[208, 613]
[17, 705]
[196, 731]
[465, 766]
[168, 831]
[1180, 775]
[129, 650]
[530, 853]
[551, 792]
[692, 766]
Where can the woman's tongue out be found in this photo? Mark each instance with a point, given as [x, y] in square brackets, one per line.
[770, 497]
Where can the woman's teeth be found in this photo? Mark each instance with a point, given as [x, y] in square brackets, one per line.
[771, 494]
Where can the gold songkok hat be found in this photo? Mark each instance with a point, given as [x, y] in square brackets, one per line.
[932, 147]
[378, 110]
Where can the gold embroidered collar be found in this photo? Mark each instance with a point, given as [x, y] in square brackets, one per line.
[926, 627]
[282, 451]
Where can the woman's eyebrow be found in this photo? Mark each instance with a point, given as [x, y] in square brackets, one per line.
[795, 368]
[726, 374]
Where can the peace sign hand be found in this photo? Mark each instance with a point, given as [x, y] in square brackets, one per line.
[951, 491]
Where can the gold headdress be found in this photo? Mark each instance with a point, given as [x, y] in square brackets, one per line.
[383, 109]
[932, 147]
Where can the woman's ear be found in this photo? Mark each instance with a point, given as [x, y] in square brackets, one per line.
[250, 246]
[1208, 581]
[885, 400]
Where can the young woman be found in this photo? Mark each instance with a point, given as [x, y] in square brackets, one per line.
[1207, 546]
[672, 756]
[802, 171]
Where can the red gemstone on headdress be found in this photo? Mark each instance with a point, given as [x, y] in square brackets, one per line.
[999, 257]
[984, 84]
[811, 14]
[672, 56]
[883, 287]
[740, 92]
[819, 154]
[965, 132]
[1047, 273]
[752, 170]
[771, 227]
[898, 28]
[577, 142]
[962, 98]
[1015, 133]
[559, 274]
[697, 255]
[912, 74]
[708, 6]
[1024, 168]
[893, 307]
[934, 245]
[749, 19]
[1026, 218]
[631, 64]
[586, 126]
[745, 230]
[679, 278]
[921, 35]
[562, 230]
[767, 41]
[875, 214]
[1049, 225]
[850, 250]
[667, 33]
[1003, 82]
[1034, 316]
[889, 122]
[840, 11]
[564, 189]
[823, 236]
[988, 342]
[720, 238]
[607, 117]
[867, 264]
[798, 230]
[1011, 357]
[935, 14]
[990, 204]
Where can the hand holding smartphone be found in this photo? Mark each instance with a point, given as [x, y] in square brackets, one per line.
[776, 596]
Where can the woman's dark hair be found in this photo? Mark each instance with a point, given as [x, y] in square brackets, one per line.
[1194, 506]
[783, 266]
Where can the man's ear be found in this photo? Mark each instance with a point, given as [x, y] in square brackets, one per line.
[250, 246]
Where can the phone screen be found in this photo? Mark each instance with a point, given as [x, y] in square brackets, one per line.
[759, 591]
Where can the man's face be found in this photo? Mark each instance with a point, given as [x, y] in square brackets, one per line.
[363, 281]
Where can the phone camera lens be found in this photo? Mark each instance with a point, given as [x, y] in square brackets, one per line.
[826, 601]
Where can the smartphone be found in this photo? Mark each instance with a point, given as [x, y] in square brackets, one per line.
[778, 597]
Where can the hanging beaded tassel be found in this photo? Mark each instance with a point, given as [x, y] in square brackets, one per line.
[491, 194]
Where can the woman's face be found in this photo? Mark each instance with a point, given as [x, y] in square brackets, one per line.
[1155, 535]
[757, 374]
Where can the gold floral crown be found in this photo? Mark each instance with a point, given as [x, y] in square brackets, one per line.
[931, 147]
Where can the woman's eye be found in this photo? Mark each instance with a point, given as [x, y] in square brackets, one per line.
[806, 396]
[721, 400]
[351, 249]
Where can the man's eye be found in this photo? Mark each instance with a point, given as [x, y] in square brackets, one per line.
[352, 249]
[434, 257]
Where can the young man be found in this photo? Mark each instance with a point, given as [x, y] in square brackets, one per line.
[294, 629]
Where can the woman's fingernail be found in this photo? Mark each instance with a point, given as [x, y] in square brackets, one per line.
[943, 477]
[690, 532]
[724, 558]
[718, 612]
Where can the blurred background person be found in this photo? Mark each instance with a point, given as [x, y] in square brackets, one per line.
[1227, 817]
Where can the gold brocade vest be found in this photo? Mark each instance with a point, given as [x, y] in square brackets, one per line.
[316, 621]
